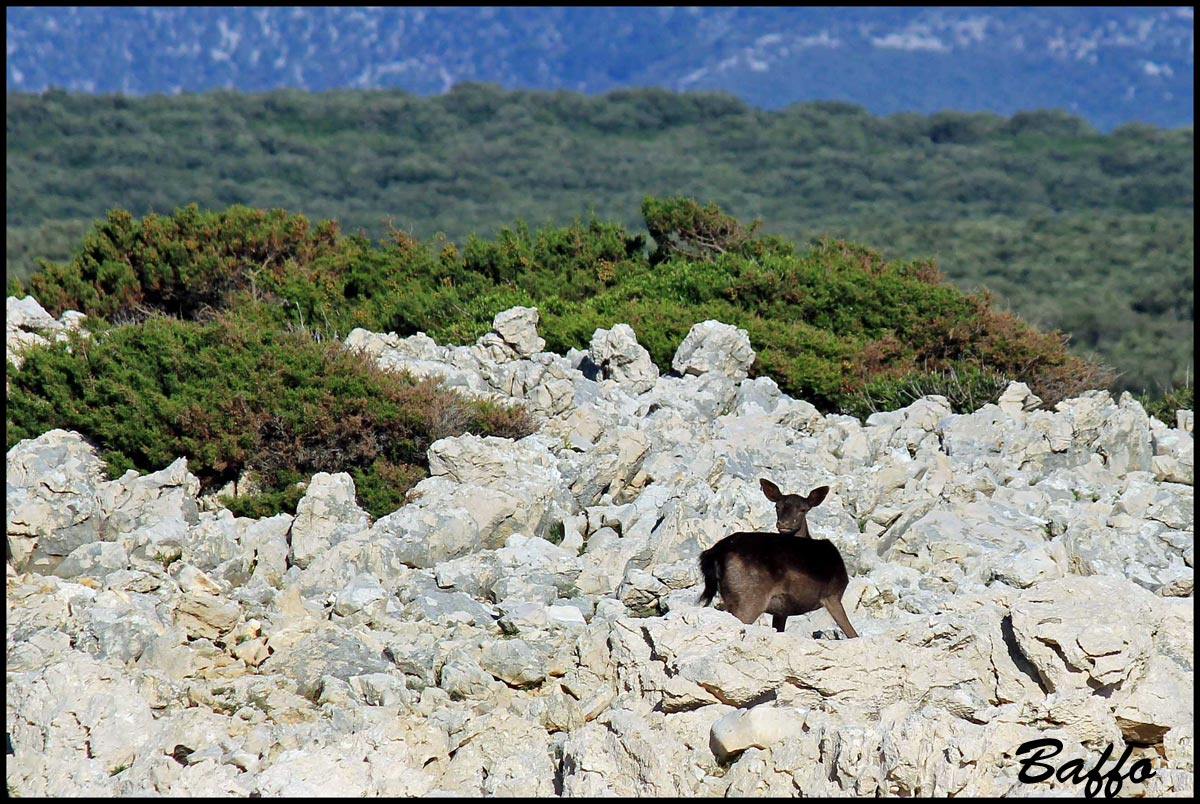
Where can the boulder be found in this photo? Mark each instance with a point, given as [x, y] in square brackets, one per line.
[517, 327]
[86, 720]
[1085, 633]
[759, 727]
[326, 514]
[51, 485]
[711, 346]
[28, 324]
[617, 356]
[151, 515]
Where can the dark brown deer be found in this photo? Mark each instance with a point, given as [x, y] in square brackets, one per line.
[784, 573]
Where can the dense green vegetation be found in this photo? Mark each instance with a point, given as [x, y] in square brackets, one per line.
[1084, 232]
[233, 394]
[837, 325]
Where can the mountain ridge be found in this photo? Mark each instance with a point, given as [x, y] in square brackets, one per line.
[1110, 65]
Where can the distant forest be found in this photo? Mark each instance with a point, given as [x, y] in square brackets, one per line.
[1085, 232]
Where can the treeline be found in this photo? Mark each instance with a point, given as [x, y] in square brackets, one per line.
[1085, 232]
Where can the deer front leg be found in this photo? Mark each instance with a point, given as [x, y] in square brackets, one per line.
[833, 605]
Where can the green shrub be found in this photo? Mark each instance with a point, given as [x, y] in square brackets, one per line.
[234, 396]
[382, 485]
[187, 263]
[829, 324]
[683, 228]
[266, 503]
[572, 262]
[1086, 232]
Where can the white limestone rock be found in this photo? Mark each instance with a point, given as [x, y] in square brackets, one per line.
[94, 560]
[1017, 398]
[73, 724]
[1075, 646]
[28, 324]
[621, 754]
[326, 514]
[760, 727]
[618, 356]
[711, 346]
[1016, 573]
[51, 485]
[514, 336]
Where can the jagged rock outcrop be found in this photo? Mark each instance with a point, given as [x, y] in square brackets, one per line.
[26, 323]
[618, 356]
[526, 624]
[716, 347]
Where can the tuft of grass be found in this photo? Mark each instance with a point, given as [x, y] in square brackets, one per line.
[1181, 397]
[967, 388]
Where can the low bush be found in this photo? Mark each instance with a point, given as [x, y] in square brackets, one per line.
[187, 263]
[235, 397]
[836, 324]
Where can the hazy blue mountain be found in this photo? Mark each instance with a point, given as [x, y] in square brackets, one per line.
[1111, 65]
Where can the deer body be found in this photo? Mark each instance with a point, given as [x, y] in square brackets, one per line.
[782, 574]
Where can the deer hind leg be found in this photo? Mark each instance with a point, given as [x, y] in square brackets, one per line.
[833, 605]
[746, 607]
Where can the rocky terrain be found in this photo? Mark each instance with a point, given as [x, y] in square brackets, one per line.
[527, 623]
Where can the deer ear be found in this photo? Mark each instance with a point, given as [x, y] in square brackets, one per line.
[817, 496]
[771, 491]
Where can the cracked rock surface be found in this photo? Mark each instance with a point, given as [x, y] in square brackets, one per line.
[527, 624]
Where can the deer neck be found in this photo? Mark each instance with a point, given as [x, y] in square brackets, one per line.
[799, 533]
